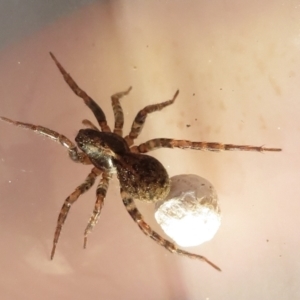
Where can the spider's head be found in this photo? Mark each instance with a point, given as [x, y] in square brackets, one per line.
[101, 147]
[93, 143]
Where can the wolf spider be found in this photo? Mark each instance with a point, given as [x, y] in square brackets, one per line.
[141, 176]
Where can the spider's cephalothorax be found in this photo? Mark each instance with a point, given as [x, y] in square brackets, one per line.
[141, 176]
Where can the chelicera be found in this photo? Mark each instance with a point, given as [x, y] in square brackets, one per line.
[141, 176]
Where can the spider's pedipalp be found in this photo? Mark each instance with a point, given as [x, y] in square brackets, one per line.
[138, 218]
[89, 124]
[95, 108]
[118, 111]
[54, 136]
[140, 118]
[88, 183]
[101, 194]
[204, 146]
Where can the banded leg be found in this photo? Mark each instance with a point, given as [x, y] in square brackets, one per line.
[88, 183]
[56, 137]
[101, 194]
[95, 108]
[118, 111]
[138, 218]
[140, 118]
[182, 144]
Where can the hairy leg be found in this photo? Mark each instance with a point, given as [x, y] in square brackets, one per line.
[101, 194]
[56, 137]
[138, 218]
[118, 111]
[88, 183]
[140, 118]
[183, 144]
[95, 108]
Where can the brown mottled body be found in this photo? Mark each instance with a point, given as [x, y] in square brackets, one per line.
[141, 176]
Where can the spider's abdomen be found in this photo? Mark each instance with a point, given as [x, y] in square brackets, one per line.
[143, 177]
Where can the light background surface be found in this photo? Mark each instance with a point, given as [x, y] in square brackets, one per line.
[236, 65]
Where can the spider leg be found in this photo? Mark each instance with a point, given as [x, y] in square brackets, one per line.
[56, 137]
[89, 124]
[138, 218]
[88, 183]
[140, 118]
[183, 144]
[118, 111]
[95, 108]
[101, 194]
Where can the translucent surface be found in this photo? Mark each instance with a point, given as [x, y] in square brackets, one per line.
[190, 215]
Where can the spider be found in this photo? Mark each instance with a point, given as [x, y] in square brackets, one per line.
[141, 176]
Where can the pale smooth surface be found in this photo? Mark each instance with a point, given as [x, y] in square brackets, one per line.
[190, 214]
[237, 67]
